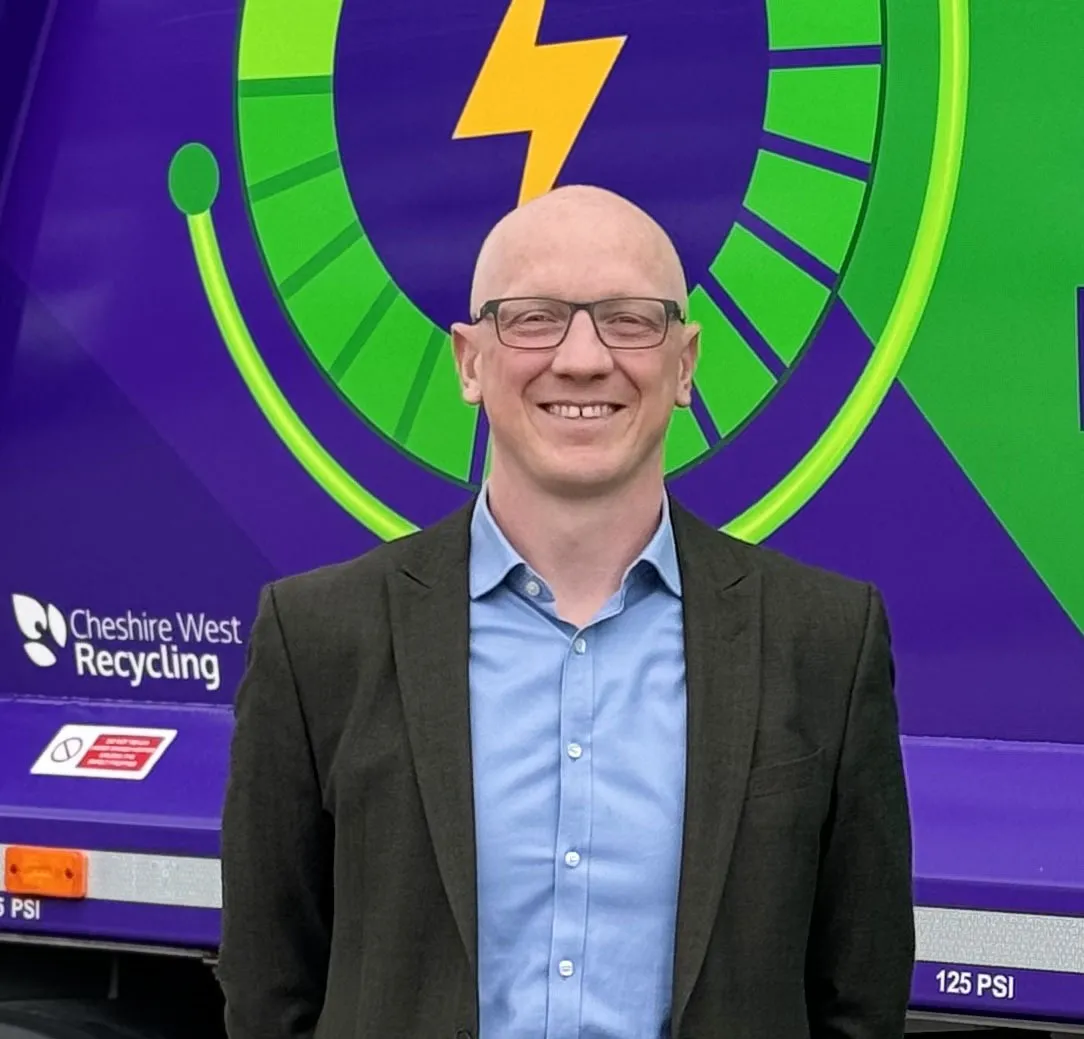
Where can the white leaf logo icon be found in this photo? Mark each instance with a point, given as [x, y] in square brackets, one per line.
[43, 656]
[30, 616]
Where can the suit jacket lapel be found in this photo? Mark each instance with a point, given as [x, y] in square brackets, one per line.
[430, 623]
[722, 664]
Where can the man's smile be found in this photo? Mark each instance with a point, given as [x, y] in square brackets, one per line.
[589, 410]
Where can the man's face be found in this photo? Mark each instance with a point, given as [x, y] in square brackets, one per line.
[579, 418]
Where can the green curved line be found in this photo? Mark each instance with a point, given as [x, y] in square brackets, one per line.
[845, 429]
[384, 522]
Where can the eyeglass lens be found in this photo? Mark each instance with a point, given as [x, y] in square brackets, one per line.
[620, 323]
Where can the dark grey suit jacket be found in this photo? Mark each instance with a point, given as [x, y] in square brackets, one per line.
[348, 852]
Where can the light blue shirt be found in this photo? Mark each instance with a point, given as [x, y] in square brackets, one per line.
[578, 738]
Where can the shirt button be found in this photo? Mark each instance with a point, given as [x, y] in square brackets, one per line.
[533, 588]
[565, 968]
[575, 751]
[572, 859]
[580, 645]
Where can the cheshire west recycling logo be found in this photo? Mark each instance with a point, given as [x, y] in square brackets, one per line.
[378, 143]
[40, 624]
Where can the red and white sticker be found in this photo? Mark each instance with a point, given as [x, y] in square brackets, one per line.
[103, 752]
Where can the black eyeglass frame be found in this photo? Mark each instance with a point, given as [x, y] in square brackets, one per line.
[671, 307]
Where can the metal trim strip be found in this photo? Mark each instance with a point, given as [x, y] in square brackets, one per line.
[164, 880]
[981, 938]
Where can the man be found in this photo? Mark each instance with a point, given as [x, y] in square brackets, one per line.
[570, 763]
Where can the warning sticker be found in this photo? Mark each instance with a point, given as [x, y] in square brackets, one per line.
[103, 752]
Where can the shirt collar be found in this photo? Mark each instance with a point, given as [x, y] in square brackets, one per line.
[492, 557]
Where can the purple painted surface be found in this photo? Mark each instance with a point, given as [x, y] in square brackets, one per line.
[745, 328]
[23, 31]
[478, 447]
[175, 810]
[123, 922]
[787, 247]
[1080, 349]
[828, 160]
[1045, 995]
[704, 419]
[982, 648]
[820, 57]
[762, 451]
[112, 519]
[997, 825]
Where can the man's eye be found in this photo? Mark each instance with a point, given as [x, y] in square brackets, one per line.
[534, 317]
[628, 322]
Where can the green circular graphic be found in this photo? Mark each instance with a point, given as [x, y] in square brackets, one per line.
[287, 135]
[341, 298]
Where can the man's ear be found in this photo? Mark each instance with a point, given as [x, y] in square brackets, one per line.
[689, 354]
[467, 362]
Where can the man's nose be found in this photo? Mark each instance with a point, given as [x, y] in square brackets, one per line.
[582, 353]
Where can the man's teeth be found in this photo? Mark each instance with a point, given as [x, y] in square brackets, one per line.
[581, 410]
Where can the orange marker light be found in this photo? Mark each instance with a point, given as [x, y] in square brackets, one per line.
[49, 872]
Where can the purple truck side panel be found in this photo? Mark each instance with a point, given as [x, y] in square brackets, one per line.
[176, 810]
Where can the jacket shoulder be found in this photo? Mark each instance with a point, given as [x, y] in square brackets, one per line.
[351, 591]
[789, 572]
[810, 596]
[335, 582]
[825, 607]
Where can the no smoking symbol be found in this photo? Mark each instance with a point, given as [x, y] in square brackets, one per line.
[66, 749]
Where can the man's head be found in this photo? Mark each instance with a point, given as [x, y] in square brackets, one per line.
[577, 244]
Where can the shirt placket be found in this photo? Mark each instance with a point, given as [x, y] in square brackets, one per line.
[571, 853]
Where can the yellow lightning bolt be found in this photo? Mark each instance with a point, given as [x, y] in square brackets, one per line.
[546, 90]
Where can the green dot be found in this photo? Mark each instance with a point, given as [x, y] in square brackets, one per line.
[193, 179]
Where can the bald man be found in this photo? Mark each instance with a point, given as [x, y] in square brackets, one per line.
[569, 763]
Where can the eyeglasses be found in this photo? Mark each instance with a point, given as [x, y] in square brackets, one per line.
[538, 323]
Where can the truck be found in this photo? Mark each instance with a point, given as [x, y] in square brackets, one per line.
[233, 236]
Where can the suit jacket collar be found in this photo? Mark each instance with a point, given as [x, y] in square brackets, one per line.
[429, 603]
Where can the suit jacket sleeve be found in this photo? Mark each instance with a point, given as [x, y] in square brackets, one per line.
[861, 949]
[275, 853]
